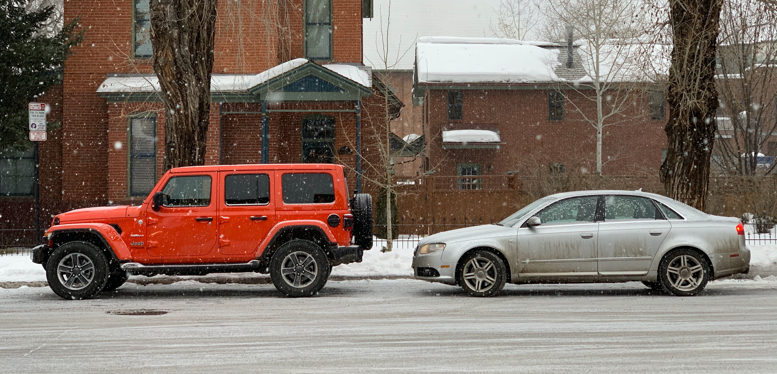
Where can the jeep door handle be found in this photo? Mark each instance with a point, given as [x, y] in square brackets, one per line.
[258, 218]
[586, 235]
[656, 232]
[204, 219]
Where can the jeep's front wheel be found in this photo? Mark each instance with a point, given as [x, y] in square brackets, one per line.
[77, 270]
[299, 268]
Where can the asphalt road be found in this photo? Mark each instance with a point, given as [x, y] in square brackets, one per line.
[391, 326]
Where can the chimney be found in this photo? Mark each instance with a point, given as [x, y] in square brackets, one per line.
[570, 50]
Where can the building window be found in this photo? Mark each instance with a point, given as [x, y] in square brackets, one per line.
[318, 29]
[467, 171]
[17, 172]
[318, 139]
[555, 106]
[455, 104]
[142, 29]
[657, 105]
[142, 155]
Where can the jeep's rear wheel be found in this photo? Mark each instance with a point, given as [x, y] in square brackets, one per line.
[77, 270]
[299, 268]
[362, 216]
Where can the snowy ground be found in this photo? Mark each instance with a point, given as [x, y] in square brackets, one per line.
[375, 264]
[391, 326]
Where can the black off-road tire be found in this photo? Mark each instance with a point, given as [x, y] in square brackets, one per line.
[361, 206]
[481, 273]
[299, 268]
[683, 272]
[115, 280]
[77, 270]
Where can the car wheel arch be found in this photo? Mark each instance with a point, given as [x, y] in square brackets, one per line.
[312, 234]
[90, 236]
[702, 253]
[493, 250]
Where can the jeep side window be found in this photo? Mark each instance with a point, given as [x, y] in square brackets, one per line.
[188, 191]
[308, 188]
[247, 189]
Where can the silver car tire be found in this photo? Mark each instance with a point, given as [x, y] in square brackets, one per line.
[77, 270]
[683, 272]
[481, 273]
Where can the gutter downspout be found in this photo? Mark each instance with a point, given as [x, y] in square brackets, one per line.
[265, 135]
[358, 146]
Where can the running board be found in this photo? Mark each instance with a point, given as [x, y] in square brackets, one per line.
[189, 269]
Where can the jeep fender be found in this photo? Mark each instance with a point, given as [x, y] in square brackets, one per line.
[107, 234]
[279, 228]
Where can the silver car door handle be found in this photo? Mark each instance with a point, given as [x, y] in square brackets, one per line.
[587, 235]
[656, 232]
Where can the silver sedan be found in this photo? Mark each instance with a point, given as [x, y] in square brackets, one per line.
[589, 236]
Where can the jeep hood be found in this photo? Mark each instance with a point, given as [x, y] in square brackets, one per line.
[93, 214]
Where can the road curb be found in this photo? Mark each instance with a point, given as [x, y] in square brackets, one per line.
[214, 280]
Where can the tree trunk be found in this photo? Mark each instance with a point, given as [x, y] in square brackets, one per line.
[693, 100]
[182, 35]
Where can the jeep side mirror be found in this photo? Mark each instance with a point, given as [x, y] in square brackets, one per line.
[533, 221]
[159, 200]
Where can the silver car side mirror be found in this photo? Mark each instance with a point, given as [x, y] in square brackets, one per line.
[533, 221]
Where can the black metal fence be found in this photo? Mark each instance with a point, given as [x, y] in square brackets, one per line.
[754, 237]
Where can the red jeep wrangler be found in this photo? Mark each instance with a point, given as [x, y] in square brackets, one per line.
[292, 221]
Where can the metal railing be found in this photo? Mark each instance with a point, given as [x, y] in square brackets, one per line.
[753, 237]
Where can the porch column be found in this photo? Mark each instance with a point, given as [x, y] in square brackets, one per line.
[265, 135]
[358, 146]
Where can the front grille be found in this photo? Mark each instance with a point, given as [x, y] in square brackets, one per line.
[427, 272]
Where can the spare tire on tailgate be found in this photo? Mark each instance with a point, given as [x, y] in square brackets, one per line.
[361, 207]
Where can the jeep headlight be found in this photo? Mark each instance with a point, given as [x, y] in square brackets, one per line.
[429, 248]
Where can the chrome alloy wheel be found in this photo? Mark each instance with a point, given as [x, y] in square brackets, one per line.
[479, 274]
[75, 271]
[685, 273]
[299, 269]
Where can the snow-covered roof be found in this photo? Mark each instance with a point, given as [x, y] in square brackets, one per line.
[232, 82]
[393, 38]
[470, 136]
[624, 62]
[464, 60]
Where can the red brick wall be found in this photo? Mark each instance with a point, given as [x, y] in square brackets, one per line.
[533, 141]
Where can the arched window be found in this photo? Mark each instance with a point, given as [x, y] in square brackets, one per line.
[318, 139]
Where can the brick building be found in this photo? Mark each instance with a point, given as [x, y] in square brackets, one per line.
[289, 86]
[497, 107]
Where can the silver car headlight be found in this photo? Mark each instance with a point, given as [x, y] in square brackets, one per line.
[431, 247]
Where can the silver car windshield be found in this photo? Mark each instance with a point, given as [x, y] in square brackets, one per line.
[515, 217]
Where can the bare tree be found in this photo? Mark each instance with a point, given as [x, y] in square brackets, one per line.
[746, 83]
[182, 36]
[516, 19]
[693, 100]
[606, 31]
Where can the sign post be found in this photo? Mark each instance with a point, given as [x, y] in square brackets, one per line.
[37, 115]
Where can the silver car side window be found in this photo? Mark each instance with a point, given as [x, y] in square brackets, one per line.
[669, 213]
[618, 208]
[574, 210]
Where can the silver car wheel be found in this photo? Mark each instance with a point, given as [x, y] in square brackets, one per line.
[75, 271]
[685, 273]
[479, 274]
[299, 269]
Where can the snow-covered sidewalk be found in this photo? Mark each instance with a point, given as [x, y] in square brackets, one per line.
[18, 268]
